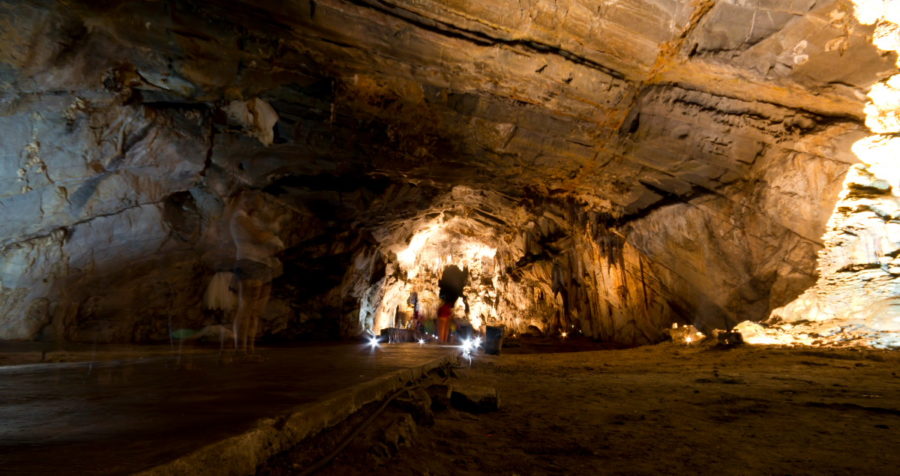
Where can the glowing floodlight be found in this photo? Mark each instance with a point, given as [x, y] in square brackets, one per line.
[373, 342]
[470, 345]
[467, 345]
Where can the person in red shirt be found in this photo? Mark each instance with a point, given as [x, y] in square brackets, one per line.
[445, 316]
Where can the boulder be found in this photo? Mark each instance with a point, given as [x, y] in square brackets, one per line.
[475, 398]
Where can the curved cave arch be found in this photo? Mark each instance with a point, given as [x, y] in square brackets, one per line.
[547, 265]
[626, 185]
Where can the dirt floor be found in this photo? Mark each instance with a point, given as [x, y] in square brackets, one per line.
[663, 409]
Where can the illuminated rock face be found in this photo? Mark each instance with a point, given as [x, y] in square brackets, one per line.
[629, 163]
[551, 265]
[857, 297]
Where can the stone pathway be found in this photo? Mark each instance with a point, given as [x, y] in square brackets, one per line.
[123, 416]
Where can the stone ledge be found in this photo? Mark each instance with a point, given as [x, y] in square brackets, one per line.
[242, 454]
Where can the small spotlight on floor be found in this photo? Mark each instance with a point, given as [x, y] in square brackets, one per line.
[373, 341]
[470, 345]
[421, 341]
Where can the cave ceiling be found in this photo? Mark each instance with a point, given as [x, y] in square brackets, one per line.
[619, 105]
[627, 163]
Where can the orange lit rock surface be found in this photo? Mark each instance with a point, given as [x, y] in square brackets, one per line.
[857, 297]
[634, 163]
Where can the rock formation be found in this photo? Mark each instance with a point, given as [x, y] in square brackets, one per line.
[611, 167]
[857, 297]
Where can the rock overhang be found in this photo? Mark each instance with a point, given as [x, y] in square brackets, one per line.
[737, 116]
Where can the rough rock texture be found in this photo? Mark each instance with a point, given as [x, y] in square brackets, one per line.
[857, 297]
[633, 163]
[548, 265]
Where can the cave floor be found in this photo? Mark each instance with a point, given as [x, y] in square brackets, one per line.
[120, 409]
[665, 409]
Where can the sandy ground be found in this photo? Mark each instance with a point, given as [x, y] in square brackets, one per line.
[661, 409]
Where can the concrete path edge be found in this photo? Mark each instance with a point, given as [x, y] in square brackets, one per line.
[242, 454]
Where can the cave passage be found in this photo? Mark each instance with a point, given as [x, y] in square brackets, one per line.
[693, 167]
[246, 182]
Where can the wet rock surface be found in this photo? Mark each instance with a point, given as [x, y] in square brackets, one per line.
[633, 163]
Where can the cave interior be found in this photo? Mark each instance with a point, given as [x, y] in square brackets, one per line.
[604, 171]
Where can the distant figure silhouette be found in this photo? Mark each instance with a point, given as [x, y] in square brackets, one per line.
[254, 227]
[445, 315]
[453, 280]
